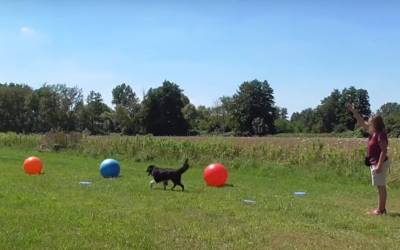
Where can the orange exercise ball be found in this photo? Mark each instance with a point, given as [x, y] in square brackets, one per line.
[33, 166]
[215, 175]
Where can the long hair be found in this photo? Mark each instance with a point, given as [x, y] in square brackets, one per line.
[378, 123]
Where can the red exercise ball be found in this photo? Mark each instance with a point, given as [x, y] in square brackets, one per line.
[33, 165]
[215, 175]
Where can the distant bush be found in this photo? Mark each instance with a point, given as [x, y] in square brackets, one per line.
[283, 126]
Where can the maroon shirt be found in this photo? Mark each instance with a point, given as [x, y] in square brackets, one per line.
[374, 149]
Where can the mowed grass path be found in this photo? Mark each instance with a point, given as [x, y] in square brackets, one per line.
[53, 211]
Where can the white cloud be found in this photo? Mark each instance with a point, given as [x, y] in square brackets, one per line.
[27, 31]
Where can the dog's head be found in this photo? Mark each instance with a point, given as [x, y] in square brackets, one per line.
[150, 169]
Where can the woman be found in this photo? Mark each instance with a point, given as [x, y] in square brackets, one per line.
[377, 156]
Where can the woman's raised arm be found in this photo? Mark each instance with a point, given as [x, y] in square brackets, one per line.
[360, 121]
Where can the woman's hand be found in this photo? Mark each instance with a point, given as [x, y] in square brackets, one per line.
[378, 170]
[360, 121]
[383, 144]
[351, 108]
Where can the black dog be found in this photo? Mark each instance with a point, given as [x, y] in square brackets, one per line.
[167, 174]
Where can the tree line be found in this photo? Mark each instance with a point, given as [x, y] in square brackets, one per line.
[332, 115]
[166, 110]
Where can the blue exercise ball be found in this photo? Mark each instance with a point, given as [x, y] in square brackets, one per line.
[109, 168]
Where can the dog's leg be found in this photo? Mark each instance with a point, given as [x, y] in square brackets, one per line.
[165, 185]
[173, 186]
[179, 183]
[152, 183]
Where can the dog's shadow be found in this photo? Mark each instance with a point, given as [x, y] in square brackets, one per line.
[191, 191]
[168, 189]
[173, 191]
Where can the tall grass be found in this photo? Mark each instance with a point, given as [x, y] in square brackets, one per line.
[19, 140]
[237, 153]
[344, 155]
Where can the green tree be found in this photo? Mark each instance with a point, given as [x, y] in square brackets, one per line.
[332, 115]
[31, 106]
[226, 108]
[220, 116]
[49, 109]
[70, 100]
[126, 109]
[304, 122]
[124, 96]
[283, 126]
[12, 107]
[94, 109]
[162, 111]
[191, 116]
[389, 109]
[390, 112]
[360, 99]
[282, 113]
[253, 106]
[328, 113]
[203, 118]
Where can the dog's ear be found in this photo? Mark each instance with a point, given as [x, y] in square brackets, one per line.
[150, 169]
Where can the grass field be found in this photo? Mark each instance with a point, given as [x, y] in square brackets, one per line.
[53, 211]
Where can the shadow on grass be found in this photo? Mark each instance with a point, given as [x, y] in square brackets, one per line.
[168, 189]
[193, 191]
[113, 178]
[394, 215]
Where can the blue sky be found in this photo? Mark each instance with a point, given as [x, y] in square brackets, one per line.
[304, 49]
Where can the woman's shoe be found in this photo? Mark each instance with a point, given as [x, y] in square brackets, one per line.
[378, 212]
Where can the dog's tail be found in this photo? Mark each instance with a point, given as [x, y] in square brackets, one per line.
[184, 167]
